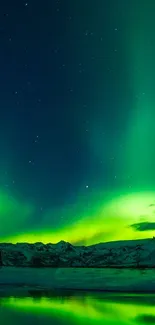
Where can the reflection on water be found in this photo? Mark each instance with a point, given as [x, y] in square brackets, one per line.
[73, 309]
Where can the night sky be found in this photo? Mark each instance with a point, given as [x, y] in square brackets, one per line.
[77, 112]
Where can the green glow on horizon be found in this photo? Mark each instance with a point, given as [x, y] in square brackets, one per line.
[81, 310]
[111, 221]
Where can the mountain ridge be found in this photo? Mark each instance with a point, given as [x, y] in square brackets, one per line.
[124, 254]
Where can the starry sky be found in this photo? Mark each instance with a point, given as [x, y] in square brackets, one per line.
[77, 120]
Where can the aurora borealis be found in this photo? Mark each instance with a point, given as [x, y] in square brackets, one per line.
[77, 121]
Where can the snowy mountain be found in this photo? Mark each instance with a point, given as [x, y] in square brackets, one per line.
[134, 253]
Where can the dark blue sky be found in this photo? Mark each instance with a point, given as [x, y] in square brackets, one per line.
[61, 78]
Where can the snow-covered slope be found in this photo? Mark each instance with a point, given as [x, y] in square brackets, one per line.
[136, 253]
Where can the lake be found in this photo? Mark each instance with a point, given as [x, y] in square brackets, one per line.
[118, 280]
[70, 308]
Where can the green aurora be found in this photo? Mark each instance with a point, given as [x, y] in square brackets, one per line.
[121, 209]
[140, 157]
[105, 216]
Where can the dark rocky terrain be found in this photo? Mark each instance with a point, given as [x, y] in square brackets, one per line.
[125, 254]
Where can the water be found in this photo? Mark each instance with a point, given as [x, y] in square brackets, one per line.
[122, 280]
[73, 309]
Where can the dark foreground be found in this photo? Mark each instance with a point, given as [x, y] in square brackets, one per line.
[72, 309]
[25, 280]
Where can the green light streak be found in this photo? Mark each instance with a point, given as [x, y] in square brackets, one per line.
[14, 214]
[110, 221]
[140, 153]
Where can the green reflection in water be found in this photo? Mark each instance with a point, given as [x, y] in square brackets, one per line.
[86, 309]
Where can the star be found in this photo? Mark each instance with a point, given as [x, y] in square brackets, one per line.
[37, 138]
[87, 186]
